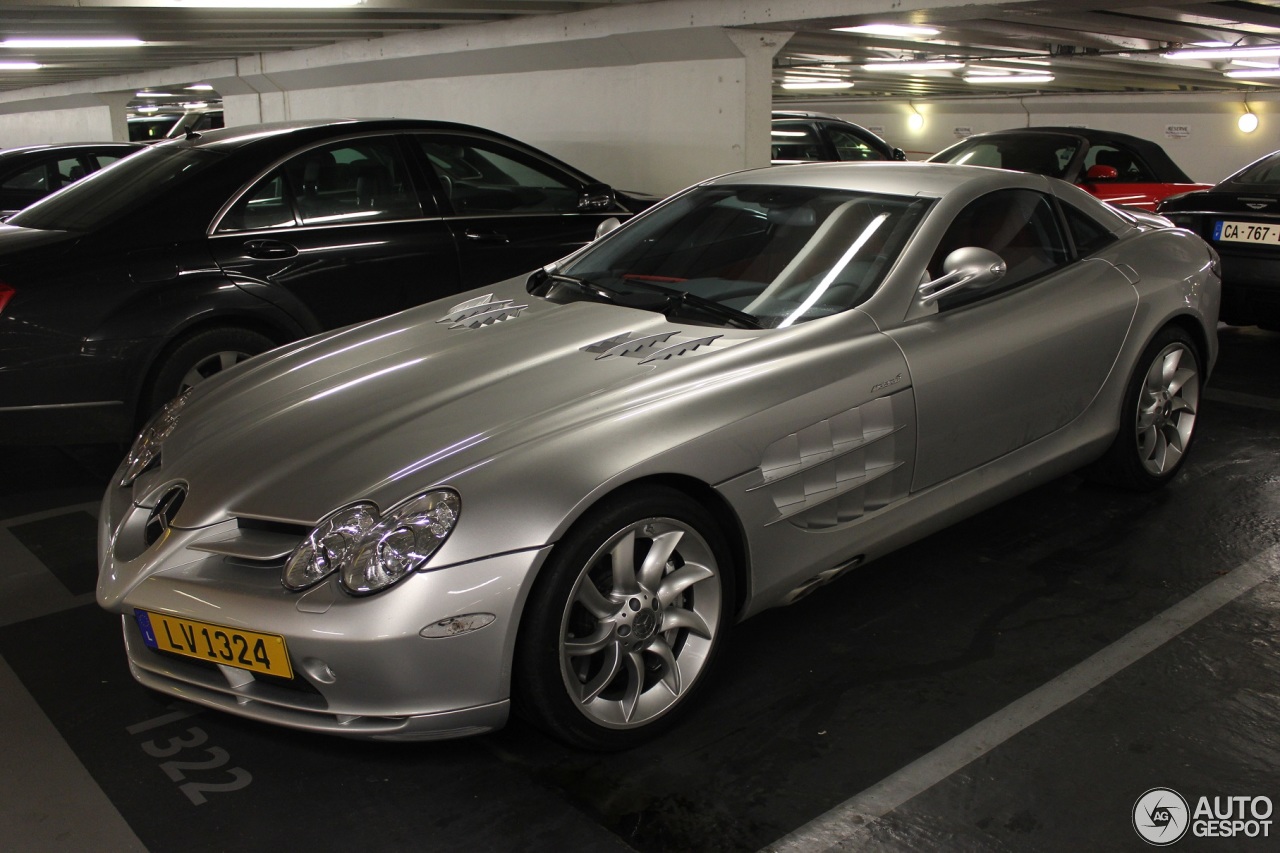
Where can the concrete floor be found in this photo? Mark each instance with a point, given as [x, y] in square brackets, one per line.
[1016, 682]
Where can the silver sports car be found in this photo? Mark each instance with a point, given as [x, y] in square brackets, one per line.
[558, 493]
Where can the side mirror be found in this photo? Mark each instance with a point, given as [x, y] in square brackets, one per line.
[597, 197]
[971, 266]
[1101, 173]
[608, 225]
[899, 154]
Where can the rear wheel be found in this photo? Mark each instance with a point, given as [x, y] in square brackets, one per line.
[1158, 420]
[624, 621]
[197, 357]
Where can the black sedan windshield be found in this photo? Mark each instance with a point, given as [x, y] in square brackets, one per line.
[101, 197]
[778, 255]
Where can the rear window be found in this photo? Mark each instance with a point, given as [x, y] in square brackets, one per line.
[1265, 171]
[131, 183]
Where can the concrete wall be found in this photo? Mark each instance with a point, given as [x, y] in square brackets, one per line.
[80, 124]
[621, 125]
[1199, 132]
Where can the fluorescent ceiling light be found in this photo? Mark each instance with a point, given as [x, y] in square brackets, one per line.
[155, 95]
[199, 87]
[1247, 73]
[904, 30]
[195, 105]
[1226, 52]
[264, 4]
[940, 65]
[20, 66]
[71, 42]
[816, 84]
[150, 109]
[988, 77]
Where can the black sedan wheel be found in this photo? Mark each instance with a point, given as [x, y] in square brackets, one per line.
[625, 620]
[196, 358]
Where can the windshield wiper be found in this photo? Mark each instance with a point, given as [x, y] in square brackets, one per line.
[678, 300]
[541, 282]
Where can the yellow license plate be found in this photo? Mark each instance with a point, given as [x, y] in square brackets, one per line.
[263, 653]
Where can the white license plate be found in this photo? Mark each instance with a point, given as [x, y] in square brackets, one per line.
[1227, 231]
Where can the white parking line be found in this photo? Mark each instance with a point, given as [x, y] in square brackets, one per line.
[850, 825]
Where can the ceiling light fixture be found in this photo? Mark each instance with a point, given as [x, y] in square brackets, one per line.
[908, 67]
[71, 42]
[199, 87]
[816, 84]
[915, 121]
[988, 77]
[1247, 73]
[20, 66]
[1248, 122]
[1225, 52]
[155, 95]
[904, 30]
[265, 4]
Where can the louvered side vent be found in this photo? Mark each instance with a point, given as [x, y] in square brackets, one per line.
[650, 348]
[837, 470]
[483, 311]
[266, 543]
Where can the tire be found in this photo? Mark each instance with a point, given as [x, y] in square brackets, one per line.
[624, 621]
[197, 357]
[1158, 418]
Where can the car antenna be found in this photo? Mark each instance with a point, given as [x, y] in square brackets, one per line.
[192, 134]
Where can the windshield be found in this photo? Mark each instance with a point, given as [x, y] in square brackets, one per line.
[773, 255]
[1041, 153]
[128, 183]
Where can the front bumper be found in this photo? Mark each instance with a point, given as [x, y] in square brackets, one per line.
[361, 665]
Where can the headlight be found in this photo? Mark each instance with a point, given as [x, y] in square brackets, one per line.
[372, 552]
[146, 447]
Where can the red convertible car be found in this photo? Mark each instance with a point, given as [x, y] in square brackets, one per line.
[1115, 167]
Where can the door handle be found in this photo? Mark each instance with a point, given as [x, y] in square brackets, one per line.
[485, 236]
[269, 249]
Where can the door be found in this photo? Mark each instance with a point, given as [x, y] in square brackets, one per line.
[338, 233]
[997, 368]
[510, 211]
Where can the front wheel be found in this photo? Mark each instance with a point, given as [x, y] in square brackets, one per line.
[625, 620]
[1158, 420]
[193, 359]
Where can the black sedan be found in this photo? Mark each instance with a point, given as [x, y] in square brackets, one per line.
[801, 137]
[122, 290]
[1240, 217]
[30, 173]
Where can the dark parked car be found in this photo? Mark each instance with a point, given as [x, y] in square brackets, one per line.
[30, 173]
[1240, 217]
[121, 291]
[1115, 167]
[799, 137]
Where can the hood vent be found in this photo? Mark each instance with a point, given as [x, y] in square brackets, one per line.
[649, 348]
[483, 311]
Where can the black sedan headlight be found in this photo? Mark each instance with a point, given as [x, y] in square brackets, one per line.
[372, 551]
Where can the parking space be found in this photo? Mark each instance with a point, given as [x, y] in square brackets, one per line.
[886, 711]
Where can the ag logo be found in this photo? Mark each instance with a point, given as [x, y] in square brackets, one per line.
[1160, 816]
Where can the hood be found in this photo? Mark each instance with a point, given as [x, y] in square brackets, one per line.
[385, 409]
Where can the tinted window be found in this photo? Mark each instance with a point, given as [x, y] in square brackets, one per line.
[1265, 171]
[1088, 235]
[481, 176]
[850, 146]
[1042, 153]
[363, 180]
[106, 194]
[796, 141]
[35, 178]
[1018, 225]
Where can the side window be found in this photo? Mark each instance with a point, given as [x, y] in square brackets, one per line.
[69, 169]
[1018, 225]
[359, 180]
[105, 160]
[850, 146]
[1128, 166]
[482, 176]
[266, 205]
[1088, 234]
[795, 141]
[34, 178]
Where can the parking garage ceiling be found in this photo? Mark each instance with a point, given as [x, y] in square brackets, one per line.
[1057, 46]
